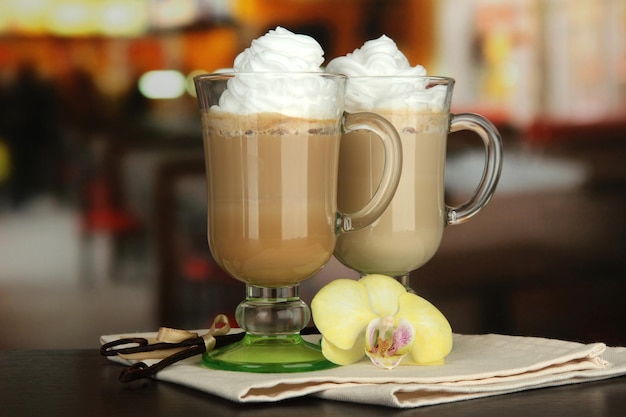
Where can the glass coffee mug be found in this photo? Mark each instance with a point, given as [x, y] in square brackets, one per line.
[272, 144]
[410, 230]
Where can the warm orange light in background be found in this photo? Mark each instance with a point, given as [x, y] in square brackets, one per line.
[210, 50]
[105, 17]
[75, 17]
[514, 60]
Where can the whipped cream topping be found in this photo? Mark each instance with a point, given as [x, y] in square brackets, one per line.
[281, 50]
[258, 87]
[391, 81]
[376, 57]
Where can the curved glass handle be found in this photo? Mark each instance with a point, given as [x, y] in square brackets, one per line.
[493, 165]
[390, 177]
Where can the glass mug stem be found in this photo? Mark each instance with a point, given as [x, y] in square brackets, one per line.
[272, 311]
[405, 280]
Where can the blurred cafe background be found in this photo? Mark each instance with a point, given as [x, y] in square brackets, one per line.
[102, 199]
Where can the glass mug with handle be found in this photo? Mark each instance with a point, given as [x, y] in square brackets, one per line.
[271, 166]
[409, 232]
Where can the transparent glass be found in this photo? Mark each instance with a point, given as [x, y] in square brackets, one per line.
[409, 232]
[272, 201]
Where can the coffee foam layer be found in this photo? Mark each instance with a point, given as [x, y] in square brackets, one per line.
[407, 121]
[217, 122]
[397, 93]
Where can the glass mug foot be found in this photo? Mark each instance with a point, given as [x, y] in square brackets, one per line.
[268, 354]
[272, 319]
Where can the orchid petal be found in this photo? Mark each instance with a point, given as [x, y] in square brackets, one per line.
[341, 311]
[343, 356]
[433, 334]
[403, 337]
[384, 292]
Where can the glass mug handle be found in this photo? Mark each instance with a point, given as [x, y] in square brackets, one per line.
[390, 176]
[491, 172]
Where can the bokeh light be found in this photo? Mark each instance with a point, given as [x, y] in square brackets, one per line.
[162, 84]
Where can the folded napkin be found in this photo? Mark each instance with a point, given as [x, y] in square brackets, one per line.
[478, 366]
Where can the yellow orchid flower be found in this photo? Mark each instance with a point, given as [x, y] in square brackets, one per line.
[376, 316]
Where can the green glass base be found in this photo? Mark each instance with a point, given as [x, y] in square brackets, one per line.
[268, 354]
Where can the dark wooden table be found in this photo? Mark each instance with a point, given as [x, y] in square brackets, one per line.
[82, 383]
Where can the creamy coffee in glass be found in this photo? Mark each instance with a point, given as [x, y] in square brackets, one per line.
[410, 230]
[273, 195]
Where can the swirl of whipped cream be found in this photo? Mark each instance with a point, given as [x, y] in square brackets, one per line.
[280, 72]
[381, 77]
[281, 50]
[376, 57]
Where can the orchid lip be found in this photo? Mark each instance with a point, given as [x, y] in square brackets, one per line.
[387, 343]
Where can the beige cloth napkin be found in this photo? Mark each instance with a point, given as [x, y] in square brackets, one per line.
[478, 366]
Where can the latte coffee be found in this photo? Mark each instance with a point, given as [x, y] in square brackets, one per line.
[272, 205]
[409, 232]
